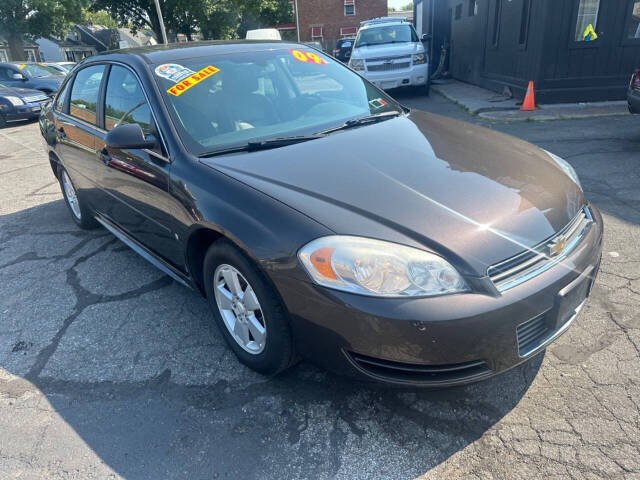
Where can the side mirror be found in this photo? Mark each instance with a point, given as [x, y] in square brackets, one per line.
[128, 136]
[426, 37]
[18, 76]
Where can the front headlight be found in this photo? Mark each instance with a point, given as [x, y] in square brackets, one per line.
[356, 64]
[15, 101]
[418, 58]
[377, 268]
[566, 167]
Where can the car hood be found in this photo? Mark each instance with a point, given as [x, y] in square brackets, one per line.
[387, 50]
[51, 80]
[18, 92]
[470, 194]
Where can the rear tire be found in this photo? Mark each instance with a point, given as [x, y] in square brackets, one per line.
[3, 121]
[266, 345]
[81, 214]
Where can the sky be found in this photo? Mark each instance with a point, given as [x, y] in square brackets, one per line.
[397, 3]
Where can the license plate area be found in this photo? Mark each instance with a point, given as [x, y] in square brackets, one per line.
[571, 297]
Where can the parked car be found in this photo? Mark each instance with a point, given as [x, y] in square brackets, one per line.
[316, 45]
[343, 49]
[388, 53]
[20, 104]
[320, 218]
[263, 34]
[58, 68]
[633, 93]
[35, 76]
[61, 67]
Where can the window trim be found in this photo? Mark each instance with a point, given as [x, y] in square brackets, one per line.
[522, 43]
[626, 40]
[313, 37]
[457, 15]
[348, 34]
[349, 3]
[497, 20]
[472, 8]
[576, 44]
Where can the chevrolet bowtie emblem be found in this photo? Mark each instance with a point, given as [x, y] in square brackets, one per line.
[557, 246]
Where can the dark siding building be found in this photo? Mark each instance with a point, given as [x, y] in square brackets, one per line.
[498, 43]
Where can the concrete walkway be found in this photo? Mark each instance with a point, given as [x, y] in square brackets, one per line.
[492, 106]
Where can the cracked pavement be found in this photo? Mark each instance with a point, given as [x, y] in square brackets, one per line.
[110, 370]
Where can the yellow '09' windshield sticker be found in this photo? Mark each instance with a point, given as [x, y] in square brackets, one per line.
[184, 85]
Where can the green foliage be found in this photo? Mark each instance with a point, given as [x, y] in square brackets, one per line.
[100, 17]
[39, 18]
[214, 19]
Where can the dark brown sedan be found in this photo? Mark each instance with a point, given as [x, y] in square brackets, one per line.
[322, 219]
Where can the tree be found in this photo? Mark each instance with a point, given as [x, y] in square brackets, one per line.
[37, 18]
[101, 17]
[219, 19]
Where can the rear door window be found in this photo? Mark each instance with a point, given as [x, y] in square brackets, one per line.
[84, 93]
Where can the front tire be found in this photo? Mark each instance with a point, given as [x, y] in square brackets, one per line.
[80, 213]
[247, 310]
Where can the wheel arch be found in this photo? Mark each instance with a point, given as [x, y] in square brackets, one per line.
[54, 161]
[198, 243]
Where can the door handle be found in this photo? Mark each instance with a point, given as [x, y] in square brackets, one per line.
[104, 156]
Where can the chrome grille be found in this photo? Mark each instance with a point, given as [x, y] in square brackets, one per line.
[526, 265]
[36, 98]
[387, 59]
[420, 374]
[385, 67]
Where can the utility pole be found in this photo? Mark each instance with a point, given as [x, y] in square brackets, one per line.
[297, 20]
[159, 12]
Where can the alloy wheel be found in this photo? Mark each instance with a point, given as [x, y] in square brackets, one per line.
[71, 196]
[240, 309]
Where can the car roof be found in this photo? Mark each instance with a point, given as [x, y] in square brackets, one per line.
[178, 51]
[383, 24]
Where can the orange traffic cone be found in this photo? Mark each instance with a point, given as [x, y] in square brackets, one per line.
[529, 103]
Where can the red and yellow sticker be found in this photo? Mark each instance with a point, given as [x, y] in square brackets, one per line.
[307, 57]
[184, 85]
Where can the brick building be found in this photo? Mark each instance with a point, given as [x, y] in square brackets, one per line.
[325, 21]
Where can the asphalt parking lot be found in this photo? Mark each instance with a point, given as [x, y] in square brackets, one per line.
[109, 369]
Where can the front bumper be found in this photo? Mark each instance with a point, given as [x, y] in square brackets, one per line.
[633, 99]
[441, 341]
[414, 76]
[22, 112]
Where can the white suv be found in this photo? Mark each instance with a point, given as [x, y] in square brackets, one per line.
[388, 53]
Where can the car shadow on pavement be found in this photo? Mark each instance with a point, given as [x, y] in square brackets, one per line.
[138, 381]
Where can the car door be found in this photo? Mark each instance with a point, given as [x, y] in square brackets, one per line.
[77, 129]
[6, 77]
[136, 180]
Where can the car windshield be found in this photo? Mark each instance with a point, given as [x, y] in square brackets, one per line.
[220, 102]
[38, 70]
[386, 34]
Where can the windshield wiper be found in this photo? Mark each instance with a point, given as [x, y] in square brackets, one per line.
[264, 144]
[356, 122]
